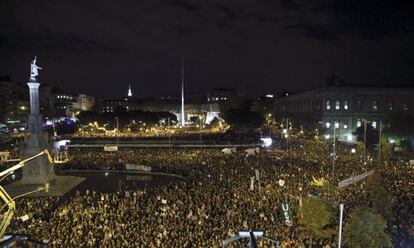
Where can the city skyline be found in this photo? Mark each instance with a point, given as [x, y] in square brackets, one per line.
[269, 46]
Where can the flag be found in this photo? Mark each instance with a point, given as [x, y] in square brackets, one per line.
[251, 183]
[318, 182]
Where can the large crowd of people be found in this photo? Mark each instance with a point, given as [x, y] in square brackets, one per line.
[215, 201]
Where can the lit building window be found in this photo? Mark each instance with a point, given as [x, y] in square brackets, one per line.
[358, 123]
[390, 105]
[374, 105]
[346, 105]
[349, 137]
[336, 124]
[345, 126]
[374, 124]
[337, 105]
[328, 104]
[328, 125]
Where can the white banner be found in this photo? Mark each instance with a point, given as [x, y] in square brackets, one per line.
[251, 183]
[354, 179]
[142, 178]
[229, 150]
[252, 151]
[110, 148]
[24, 217]
[257, 174]
[138, 167]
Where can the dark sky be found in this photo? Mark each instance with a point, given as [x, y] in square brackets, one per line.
[98, 47]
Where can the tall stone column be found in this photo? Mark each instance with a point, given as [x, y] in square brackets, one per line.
[37, 171]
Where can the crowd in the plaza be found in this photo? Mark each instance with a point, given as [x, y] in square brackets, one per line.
[214, 202]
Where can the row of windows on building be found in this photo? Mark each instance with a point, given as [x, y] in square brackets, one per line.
[111, 108]
[359, 104]
[64, 97]
[345, 123]
[212, 99]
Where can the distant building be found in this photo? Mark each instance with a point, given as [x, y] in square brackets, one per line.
[265, 104]
[221, 95]
[14, 102]
[83, 103]
[345, 108]
[227, 98]
[46, 100]
[63, 103]
[111, 105]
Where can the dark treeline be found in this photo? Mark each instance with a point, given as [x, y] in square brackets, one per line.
[125, 117]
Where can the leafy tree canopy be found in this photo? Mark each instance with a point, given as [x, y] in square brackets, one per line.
[372, 135]
[315, 217]
[243, 118]
[366, 229]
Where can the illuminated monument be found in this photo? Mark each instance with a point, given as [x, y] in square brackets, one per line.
[38, 171]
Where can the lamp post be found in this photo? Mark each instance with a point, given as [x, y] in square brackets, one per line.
[334, 152]
[169, 133]
[341, 215]
[365, 140]
[117, 130]
[199, 129]
[287, 133]
[379, 142]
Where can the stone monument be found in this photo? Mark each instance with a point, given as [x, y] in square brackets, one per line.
[37, 171]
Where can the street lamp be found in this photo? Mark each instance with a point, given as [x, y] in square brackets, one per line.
[334, 153]
[117, 130]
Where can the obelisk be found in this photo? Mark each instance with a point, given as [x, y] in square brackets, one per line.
[37, 171]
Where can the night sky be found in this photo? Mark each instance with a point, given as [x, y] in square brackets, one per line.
[99, 47]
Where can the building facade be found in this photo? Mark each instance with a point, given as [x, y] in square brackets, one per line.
[345, 108]
[14, 103]
[83, 103]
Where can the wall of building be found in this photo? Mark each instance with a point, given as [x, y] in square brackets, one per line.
[345, 107]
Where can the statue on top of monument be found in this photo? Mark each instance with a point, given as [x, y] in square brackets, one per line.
[33, 70]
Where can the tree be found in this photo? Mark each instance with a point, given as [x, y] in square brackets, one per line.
[314, 218]
[380, 198]
[366, 229]
[372, 135]
[386, 149]
[86, 117]
[401, 126]
[243, 118]
[400, 129]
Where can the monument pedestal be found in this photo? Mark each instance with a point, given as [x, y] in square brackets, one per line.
[38, 171]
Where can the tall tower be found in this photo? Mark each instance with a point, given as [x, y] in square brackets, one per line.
[129, 90]
[182, 91]
[38, 171]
